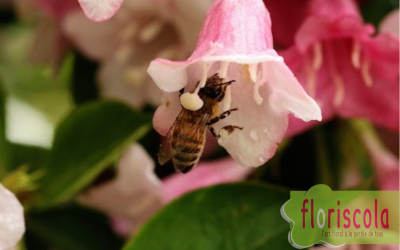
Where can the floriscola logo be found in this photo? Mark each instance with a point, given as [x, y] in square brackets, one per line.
[334, 218]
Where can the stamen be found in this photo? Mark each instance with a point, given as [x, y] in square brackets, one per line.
[192, 101]
[148, 33]
[253, 71]
[256, 93]
[255, 76]
[128, 32]
[339, 95]
[366, 74]
[123, 52]
[337, 79]
[135, 76]
[355, 55]
[224, 69]
[311, 86]
[227, 98]
[205, 67]
[318, 56]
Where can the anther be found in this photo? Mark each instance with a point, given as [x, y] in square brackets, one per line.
[355, 55]
[366, 74]
[318, 56]
[224, 69]
[148, 33]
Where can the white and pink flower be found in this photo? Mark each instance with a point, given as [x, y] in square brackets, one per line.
[12, 225]
[236, 43]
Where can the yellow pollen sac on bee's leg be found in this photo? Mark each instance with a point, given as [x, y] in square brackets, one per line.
[192, 101]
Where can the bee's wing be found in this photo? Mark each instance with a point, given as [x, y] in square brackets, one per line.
[165, 152]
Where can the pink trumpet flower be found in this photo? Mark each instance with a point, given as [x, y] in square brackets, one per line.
[206, 174]
[348, 72]
[236, 43]
[12, 225]
[133, 196]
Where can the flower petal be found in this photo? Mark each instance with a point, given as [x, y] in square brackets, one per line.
[390, 24]
[379, 104]
[205, 174]
[383, 53]
[12, 225]
[124, 81]
[329, 20]
[289, 15]
[100, 10]
[169, 76]
[134, 194]
[288, 95]
[166, 113]
[263, 127]
[97, 41]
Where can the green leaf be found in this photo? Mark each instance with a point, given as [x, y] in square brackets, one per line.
[91, 138]
[32, 156]
[70, 228]
[4, 145]
[39, 85]
[234, 216]
[374, 11]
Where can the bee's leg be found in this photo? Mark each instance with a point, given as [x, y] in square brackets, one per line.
[220, 117]
[228, 130]
[212, 130]
[221, 97]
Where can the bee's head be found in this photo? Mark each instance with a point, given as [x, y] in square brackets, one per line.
[214, 87]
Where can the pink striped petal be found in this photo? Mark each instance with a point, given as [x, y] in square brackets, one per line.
[204, 175]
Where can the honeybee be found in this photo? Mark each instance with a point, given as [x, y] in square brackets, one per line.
[185, 140]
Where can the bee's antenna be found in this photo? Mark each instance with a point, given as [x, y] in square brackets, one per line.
[225, 83]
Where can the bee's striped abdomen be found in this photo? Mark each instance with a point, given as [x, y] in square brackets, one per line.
[187, 146]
